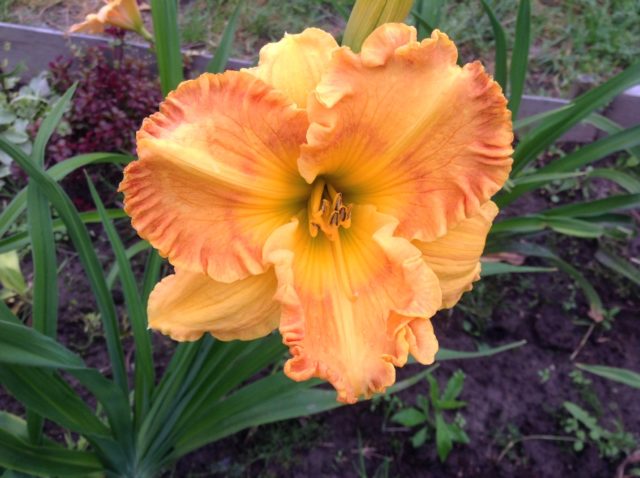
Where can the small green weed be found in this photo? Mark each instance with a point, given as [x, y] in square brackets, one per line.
[545, 373]
[429, 416]
[586, 428]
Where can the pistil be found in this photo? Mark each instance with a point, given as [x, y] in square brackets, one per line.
[327, 213]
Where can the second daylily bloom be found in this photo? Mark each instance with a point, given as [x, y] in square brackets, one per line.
[123, 14]
[343, 198]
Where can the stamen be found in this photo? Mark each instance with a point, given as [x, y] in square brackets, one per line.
[332, 191]
[337, 201]
[327, 211]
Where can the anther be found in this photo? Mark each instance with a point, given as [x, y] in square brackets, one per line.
[337, 202]
[327, 211]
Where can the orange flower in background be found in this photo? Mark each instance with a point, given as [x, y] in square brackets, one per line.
[92, 24]
[123, 14]
[343, 198]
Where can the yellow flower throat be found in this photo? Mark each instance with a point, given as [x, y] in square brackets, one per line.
[327, 212]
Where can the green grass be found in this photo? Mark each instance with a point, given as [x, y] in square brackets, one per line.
[5, 10]
[261, 21]
[574, 41]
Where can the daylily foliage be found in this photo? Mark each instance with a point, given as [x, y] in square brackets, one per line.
[343, 198]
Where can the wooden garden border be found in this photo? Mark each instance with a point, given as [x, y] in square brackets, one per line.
[36, 47]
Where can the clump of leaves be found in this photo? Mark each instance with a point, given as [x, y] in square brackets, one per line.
[428, 417]
[21, 106]
[586, 428]
[115, 93]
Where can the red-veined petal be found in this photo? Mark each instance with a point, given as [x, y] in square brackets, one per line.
[217, 174]
[338, 297]
[401, 126]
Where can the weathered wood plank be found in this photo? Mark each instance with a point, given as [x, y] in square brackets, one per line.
[36, 47]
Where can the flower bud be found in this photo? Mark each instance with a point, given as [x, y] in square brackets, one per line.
[367, 15]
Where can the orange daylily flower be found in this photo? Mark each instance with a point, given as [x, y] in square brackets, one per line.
[343, 198]
[123, 14]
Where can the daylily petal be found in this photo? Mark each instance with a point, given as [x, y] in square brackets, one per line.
[414, 335]
[91, 24]
[217, 174]
[185, 305]
[122, 14]
[455, 257]
[294, 64]
[404, 128]
[338, 296]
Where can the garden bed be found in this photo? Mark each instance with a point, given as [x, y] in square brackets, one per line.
[517, 403]
[514, 399]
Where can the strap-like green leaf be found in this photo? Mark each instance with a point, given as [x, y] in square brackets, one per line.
[57, 172]
[221, 56]
[537, 222]
[622, 179]
[215, 372]
[447, 354]
[51, 397]
[151, 274]
[17, 454]
[82, 241]
[21, 345]
[144, 372]
[618, 265]
[427, 14]
[50, 123]
[131, 251]
[520, 56]
[575, 160]
[529, 249]
[167, 43]
[620, 202]
[564, 119]
[21, 239]
[43, 250]
[500, 73]
[610, 127]
[496, 268]
[271, 399]
[621, 375]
